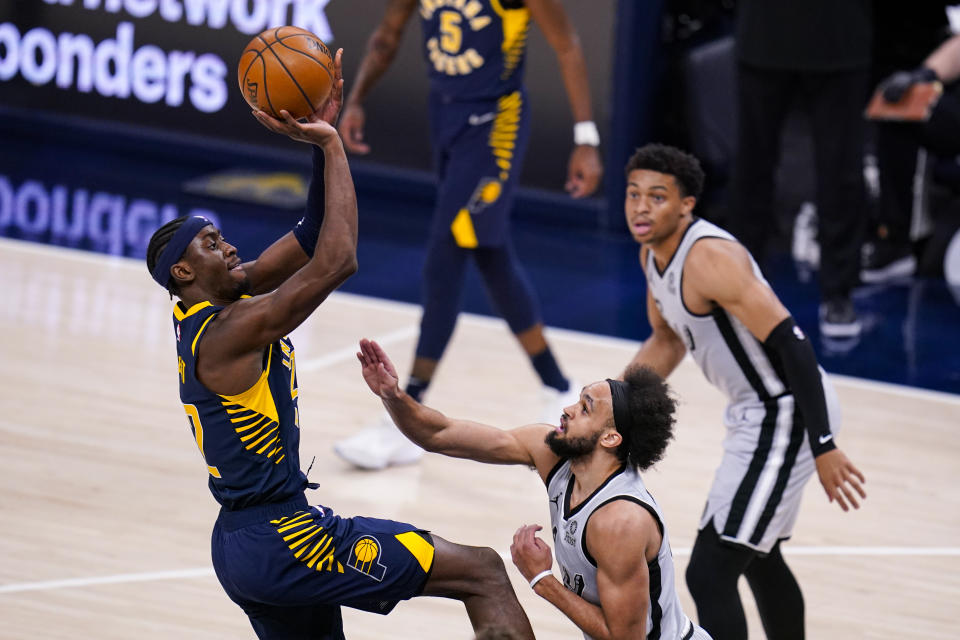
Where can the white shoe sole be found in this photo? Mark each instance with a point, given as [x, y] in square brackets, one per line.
[830, 330]
[905, 266]
[361, 460]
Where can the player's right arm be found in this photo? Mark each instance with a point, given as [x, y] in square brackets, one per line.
[248, 325]
[381, 49]
[664, 349]
[622, 538]
[436, 432]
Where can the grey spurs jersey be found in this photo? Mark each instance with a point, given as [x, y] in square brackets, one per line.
[665, 617]
[730, 357]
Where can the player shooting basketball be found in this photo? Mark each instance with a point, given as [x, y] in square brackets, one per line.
[617, 573]
[287, 564]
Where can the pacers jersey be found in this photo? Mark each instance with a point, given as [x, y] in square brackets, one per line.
[665, 616]
[475, 49]
[249, 441]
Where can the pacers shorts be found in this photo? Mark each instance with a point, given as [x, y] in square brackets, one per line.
[479, 148]
[290, 566]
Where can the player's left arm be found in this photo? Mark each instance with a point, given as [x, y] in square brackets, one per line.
[584, 169]
[720, 271]
[292, 251]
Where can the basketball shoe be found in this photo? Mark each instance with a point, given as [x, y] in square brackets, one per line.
[378, 446]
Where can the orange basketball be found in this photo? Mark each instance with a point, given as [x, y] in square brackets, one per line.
[286, 68]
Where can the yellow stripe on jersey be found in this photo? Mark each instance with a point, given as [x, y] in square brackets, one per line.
[255, 418]
[179, 314]
[516, 26]
[258, 397]
[196, 338]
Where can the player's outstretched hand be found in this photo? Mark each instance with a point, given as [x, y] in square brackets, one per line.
[378, 371]
[583, 171]
[840, 479]
[530, 554]
[317, 133]
[351, 128]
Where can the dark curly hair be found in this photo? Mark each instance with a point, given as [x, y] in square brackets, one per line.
[684, 168]
[158, 242]
[652, 412]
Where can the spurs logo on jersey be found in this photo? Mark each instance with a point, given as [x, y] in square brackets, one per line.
[446, 49]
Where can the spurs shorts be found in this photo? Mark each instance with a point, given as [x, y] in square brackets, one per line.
[290, 566]
[767, 461]
[479, 148]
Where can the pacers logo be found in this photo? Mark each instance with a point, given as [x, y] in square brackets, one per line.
[365, 558]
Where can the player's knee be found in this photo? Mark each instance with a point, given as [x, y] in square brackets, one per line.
[698, 579]
[491, 569]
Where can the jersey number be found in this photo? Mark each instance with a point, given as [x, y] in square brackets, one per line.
[193, 417]
[451, 35]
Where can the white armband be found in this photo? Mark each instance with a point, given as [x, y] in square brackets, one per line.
[540, 576]
[586, 133]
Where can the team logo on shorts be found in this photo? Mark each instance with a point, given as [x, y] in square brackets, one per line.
[365, 558]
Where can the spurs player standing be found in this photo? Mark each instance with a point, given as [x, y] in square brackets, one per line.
[707, 296]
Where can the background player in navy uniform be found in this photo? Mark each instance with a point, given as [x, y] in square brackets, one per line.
[617, 575]
[480, 123]
[289, 565]
[706, 295]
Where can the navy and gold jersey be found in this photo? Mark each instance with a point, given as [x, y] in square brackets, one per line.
[249, 441]
[475, 49]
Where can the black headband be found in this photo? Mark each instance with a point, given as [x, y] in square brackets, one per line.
[620, 392]
[175, 248]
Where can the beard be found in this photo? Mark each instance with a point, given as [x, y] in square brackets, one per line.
[571, 448]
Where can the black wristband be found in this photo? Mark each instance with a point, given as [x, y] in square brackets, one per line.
[307, 230]
[799, 366]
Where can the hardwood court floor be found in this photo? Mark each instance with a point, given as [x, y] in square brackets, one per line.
[106, 517]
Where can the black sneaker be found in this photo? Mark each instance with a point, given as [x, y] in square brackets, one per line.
[883, 260]
[838, 319]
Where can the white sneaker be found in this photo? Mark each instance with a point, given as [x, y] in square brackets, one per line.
[553, 402]
[378, 446]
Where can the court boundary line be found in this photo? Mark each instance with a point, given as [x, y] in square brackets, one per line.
[82, 255]
[205, 572]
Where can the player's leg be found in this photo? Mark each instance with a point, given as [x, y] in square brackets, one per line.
[763, 101]
[778, 596]
[838, 133]
[297, 623]
[476, 576]
[713, 572]
[443, 275]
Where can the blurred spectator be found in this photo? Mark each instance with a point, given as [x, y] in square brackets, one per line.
[817, 51]
[903, 37]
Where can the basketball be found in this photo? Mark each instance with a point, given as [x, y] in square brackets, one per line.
[286, 68]
[366, 550]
